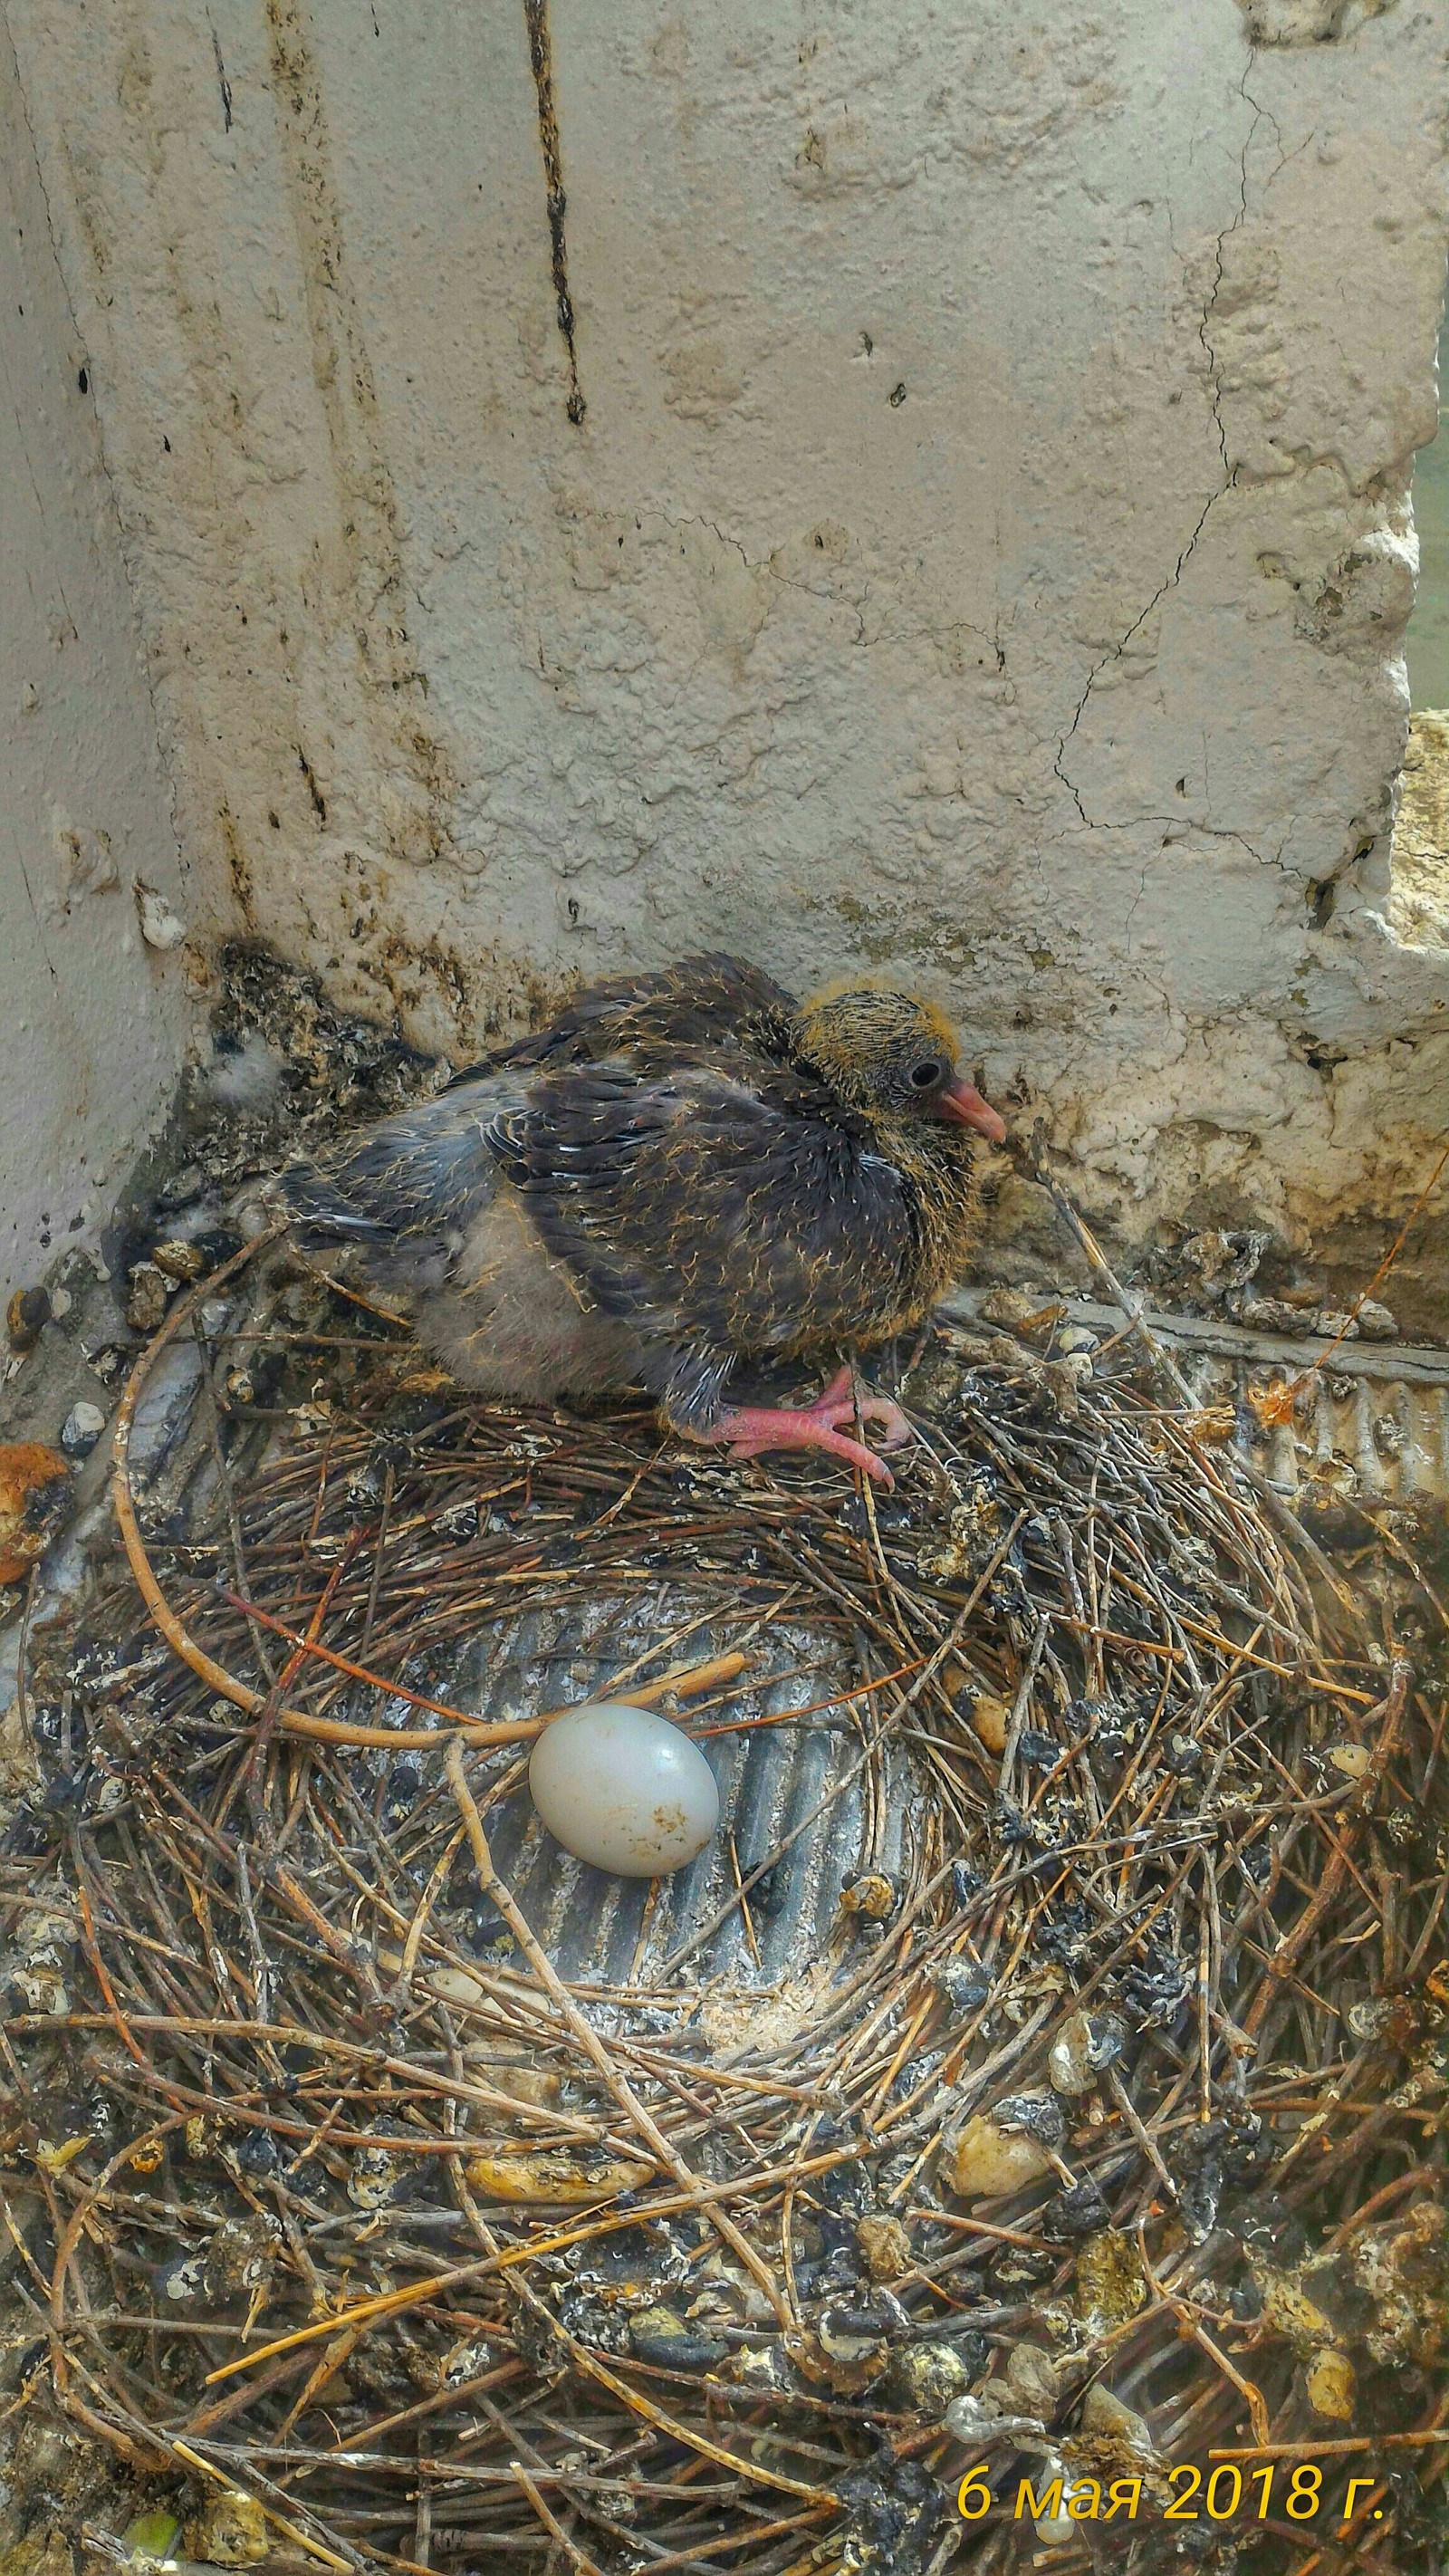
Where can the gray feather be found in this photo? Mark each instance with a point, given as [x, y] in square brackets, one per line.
[412, 1186]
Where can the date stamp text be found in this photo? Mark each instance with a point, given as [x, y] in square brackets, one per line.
[1297, 2491]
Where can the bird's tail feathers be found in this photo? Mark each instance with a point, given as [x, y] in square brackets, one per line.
[416, 1182]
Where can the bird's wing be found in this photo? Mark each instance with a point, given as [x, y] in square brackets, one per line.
[419, 1179]
[698, 1002]
[712, 1213]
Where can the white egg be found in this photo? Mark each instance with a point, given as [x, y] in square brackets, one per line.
[623, 1789]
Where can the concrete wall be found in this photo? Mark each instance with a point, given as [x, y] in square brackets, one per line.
[92, 1020]
[964, 525]
[1427, 640]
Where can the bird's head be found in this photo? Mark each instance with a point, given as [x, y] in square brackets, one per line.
[893, 1058]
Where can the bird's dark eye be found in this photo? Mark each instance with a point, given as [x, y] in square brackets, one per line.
[926, 1074]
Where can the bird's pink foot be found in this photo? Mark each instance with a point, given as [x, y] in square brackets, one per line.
[753, 1428]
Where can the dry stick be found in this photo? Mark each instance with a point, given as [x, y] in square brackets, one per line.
[927, 1673]
[690, 1679]
[576, 2557]
[296, 1721]
[635, 2399]
[1020, 1707]
[1328, 2450]
[1189, 2324]
[1294, 1943]
[1166, 1369]
[756, 2531]
[584, 2032]
[413, 2294]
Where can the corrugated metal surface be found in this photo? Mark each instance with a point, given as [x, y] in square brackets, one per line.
[1371, 1419]
[801, 1787]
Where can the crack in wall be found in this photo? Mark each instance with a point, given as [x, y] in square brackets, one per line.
[860, 641]
[1230, 472]
[223, 84]
[540, 55]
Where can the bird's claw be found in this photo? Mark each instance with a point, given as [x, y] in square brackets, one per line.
[840, 1403]
[752, 1429]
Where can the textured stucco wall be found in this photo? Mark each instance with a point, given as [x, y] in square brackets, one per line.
[984, 547]
[92, 1022]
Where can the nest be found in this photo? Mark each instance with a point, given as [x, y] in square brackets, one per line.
[1044, 2069]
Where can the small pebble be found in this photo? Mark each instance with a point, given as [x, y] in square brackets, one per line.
[1075, 1338]
[990, 1718]
[873, 1896]
[1376, 1323]
[26, 1317]
[1329, 2385]
[1104, 2413]
[983, 2163]
[179, 1260]
[150, 1294]
[81, 1430]
[1353, 1760]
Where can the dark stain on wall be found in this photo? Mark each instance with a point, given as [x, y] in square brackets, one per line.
[540, 54]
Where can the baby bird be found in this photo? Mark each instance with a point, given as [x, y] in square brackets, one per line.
[684, 1171]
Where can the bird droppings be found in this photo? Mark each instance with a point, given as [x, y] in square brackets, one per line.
[81, 1429]
[161, 925]
[230, 2531]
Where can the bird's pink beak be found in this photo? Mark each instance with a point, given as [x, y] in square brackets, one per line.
[962, 1102]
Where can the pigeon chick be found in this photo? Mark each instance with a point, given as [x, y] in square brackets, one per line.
[684, 1171]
